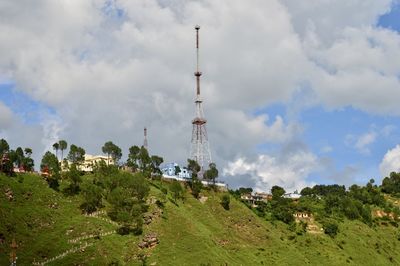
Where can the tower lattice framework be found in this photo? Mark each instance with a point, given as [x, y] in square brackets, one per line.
[200, 147]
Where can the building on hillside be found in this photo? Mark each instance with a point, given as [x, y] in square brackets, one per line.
[263, 196]
[20, 169]
[302, 216]
[255, 198]
[295, 196]
[170, 169]
[90, 161]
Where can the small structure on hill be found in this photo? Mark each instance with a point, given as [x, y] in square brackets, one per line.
[173, 169]
[302, 216]
[256, 197]
[295, 196]
[89, 162]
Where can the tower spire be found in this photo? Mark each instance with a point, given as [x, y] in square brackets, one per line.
[197, 73]
[200, 149]
[145, 143]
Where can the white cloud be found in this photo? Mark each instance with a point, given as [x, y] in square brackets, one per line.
[327, 18]
[364, 141]
[361, 142]
[109, 68]
[387, 130]
[390, 162]
[288, 171]
[5, 117]
[326, 149]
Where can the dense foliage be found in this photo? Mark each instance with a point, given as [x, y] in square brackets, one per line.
[18, 158]
[330, 204]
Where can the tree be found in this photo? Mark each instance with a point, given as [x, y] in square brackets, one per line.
[76, 154]
[245, 190]
[4, 147]
[56, 147]
[195, 183]
[28, 164]
[144, 161]
[177, 170]
[112, 151]
[28, 161]
[307, 191]
[92, 197]
[128, 201]
[391, 184]
[28, 152]
[277, 192]
[19, 157]
[225, 201]
[281, 208]
[50, 162]
[133, 157]
[211, 173]
[193, 167]
[196, 186]
[74, 176]
[62, 146]
[156, 161]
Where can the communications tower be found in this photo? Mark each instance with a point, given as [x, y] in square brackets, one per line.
[145, 143]
[200, 148]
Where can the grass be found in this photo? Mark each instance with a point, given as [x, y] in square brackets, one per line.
[190, 233]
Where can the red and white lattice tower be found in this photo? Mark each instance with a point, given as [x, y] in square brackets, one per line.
[200, 148]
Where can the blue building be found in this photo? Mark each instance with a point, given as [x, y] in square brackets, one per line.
[169, 169]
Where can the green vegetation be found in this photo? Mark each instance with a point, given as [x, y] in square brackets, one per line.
[190, 233]
[10, 159]
[76, 154]
[104, 217]
[225, 201]
[112, 151]
[51, 166]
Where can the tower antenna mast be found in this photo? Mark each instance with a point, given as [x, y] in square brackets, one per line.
[200, 148]
[145, 143]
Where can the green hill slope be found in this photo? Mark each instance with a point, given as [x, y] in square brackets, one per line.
[190, 232]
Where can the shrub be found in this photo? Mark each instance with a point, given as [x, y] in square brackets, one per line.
[225, 201]
[331, 228]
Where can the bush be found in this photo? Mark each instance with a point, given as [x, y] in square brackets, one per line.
[225, 201]
[92, 197]
[331, 228]
[196, 186]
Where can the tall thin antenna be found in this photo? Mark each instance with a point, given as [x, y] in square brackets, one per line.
[200, 148]
[145, 143]
[197, 73]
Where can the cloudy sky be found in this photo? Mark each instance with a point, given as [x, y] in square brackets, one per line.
[295, 92]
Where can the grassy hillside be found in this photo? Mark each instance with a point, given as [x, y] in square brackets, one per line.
[189, 232]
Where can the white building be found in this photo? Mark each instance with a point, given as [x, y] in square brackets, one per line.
[91, 161]
[294, 196]
[169, 169]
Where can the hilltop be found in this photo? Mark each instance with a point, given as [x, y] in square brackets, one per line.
[46, 224]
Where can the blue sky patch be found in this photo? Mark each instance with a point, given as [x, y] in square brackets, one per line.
[391, 20]
[21, 104]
